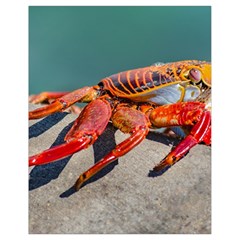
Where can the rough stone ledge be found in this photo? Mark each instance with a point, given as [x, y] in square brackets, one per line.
[121, 198]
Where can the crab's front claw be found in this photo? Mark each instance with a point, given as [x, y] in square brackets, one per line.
[58, 152]
[201, 132]
[87, 127]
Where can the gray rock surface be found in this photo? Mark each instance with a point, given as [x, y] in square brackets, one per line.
[122, 198]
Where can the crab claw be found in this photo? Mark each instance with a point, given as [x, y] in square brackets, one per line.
[58, 152]
[87, 127]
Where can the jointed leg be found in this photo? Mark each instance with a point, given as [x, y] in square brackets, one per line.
[85, 94]
[129, 121]
[49, 97]
[46, 97]
[183, 114]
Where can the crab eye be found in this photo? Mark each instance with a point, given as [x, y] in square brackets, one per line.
[195, 75]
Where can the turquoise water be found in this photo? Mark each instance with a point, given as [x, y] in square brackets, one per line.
[71, 47]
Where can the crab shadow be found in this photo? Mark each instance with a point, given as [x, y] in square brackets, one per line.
[43, 174]
[45, 124]
[104, 144]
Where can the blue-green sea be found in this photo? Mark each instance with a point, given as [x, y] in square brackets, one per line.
[71, 47]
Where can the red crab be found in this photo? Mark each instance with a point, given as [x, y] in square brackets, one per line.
[168, 95]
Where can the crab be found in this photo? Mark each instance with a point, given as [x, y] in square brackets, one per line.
[175, 96]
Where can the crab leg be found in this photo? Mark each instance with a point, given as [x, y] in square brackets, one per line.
[183, 114]
[45, 96]
[129, 121]
[87, 127]
[48, 97]
[85, 94]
